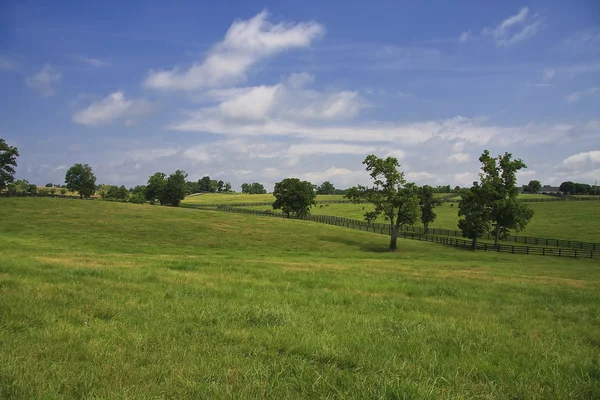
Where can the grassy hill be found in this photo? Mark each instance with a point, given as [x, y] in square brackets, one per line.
[113, 300]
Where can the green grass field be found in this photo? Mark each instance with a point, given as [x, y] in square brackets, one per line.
[569, 220]
[113, 300]
[233, 198]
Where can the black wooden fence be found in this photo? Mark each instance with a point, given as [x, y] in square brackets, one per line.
[384, 229]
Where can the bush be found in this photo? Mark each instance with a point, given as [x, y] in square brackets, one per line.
[63, 191]
[137, 198]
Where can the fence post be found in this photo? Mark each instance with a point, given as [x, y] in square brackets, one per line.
[559, 251]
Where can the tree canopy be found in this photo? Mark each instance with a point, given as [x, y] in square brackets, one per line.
[326, 188]
[174, 189]
[392, 197]
[427, 202]
[155, 186]
[81, 179]
[294, 197]
[8, 163]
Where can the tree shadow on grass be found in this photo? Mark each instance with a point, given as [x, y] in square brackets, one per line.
[362, 245]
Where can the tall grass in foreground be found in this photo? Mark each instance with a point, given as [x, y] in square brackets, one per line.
[114, 300]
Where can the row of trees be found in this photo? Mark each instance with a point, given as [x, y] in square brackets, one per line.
[577, 188]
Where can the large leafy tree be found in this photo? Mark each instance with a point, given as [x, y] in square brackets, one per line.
[392, 197]
[497, 194]
[227, 187]
[294, 197]
[81, 179]
[567, 187]
[257, 188]
[204, 184]
[155, 186]
[8, 163]
[534, 186]
[475, 215]
[326, 188]
[427, 202]
[174, 189]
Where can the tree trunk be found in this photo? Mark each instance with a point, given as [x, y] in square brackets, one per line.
[473, 243]
[426, 228]
[394, 240]
[496, 235]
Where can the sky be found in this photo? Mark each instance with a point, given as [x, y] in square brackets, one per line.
[247, 91]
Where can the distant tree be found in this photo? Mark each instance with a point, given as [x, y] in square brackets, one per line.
[204, 184]
[534, 186]
[155, 186]
[81, 179]
[111, 193]
[427, 202]
[8, 163]
[498, 197]
[257, 188]
[122, 193]
[457, 189]
[137, 198]
[102, 191]
[220, 185]
[32, 189]
[48, 185]
[582, 188]
[567, 187]
[326, 188]
[63, 191]
[138, 189]
[52, 191]
[42, 192]
[213, 186]
[294, 197]
[227, 187]
[246, 188]
[391, 195]
[174, 189]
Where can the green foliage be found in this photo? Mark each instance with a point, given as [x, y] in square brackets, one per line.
[391, 196]
[227, 187]
[294, 197]
[81, 179]
[63, 191]
[138, 189]
[8, 163]
[220, 185]
[43, 192]
[52, 191]
[326, 188]
[253, 188]
[495, 199]
[213, 186]
[48, 185]
[427, 202]
[572, 188]
[155, 186]
[174, 189]
[204, 184]
[534, 186]
[137, 198]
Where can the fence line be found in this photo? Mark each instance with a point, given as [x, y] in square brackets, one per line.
[384, 229]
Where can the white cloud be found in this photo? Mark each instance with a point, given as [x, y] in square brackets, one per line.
[246, 43]
[43, 80]
[573, 97]
[300, 80]
[588, 157]
[465, 179]
[60, 168]
[548, 74]
[94, 62]
[255, 104]
[418, 176]
[515, 28]
[459, 158]
[111, 108]
[329, 148]
[341, 176]
[464, 36]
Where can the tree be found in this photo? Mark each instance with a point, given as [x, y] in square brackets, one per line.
[567, 187]
[52, 191]
[155, 186]
[427, 203]
[534, 186]
[473, 208]
[294, 197]
[81, 179]
[390, 194]
[122, 193]
[246, 188]
[174, 189]
[8, 163]
[48, 185]
[326, 188]
[63, 191]
[204, 184]
[495, 198]
[227, 187]
[220, 185]
[258, 188]
[213, 186]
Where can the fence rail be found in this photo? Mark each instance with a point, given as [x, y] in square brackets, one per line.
[384, 229]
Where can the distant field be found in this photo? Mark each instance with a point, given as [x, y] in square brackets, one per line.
[226, 198]
[570, 220]
[114, 300]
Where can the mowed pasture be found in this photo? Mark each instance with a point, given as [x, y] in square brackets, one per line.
[114, 300]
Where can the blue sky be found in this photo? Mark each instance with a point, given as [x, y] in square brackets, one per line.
[249, 91]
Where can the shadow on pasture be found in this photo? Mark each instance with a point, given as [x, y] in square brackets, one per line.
[364, 246]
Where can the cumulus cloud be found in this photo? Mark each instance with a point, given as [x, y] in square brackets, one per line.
[588, 157]
[246, 43]
[464, 36]
[575, 96]
[465, 179]
[42, 81]
[419, 176]
[113, 107]
[548, 74]
[459, 158]
[515, 28]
